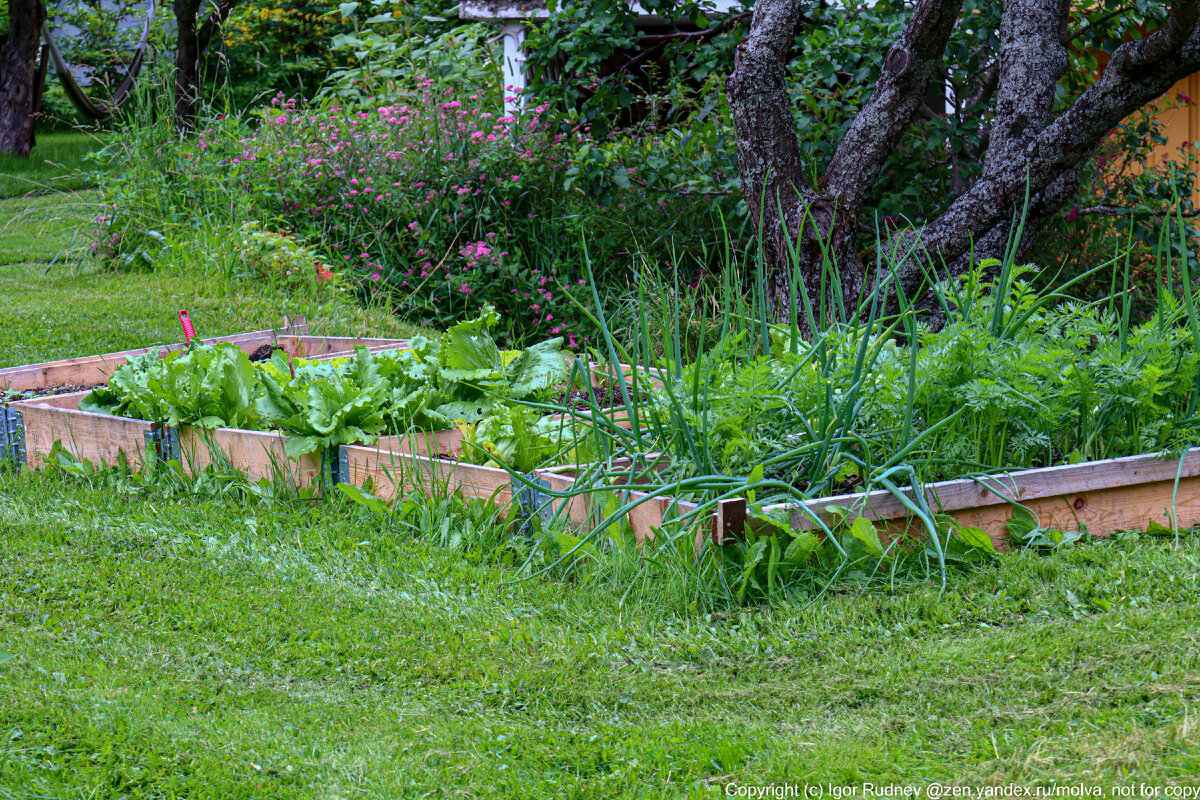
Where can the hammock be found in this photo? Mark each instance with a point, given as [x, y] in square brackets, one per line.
[99, 110]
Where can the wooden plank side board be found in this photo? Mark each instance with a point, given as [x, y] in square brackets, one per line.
[68, 401]
[99, 438]
[393, 474]
[593, 501]
[1023, 486]
[1098, 496]
[256, 454]
[589, 482]
[326, 347]
[93, 369]
[605, 373]
[1100, 512]
[436, 444]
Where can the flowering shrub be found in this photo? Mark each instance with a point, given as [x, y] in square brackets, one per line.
[435, 203]
[439, 203]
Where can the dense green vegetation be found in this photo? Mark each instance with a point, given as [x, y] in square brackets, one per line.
[166, 636]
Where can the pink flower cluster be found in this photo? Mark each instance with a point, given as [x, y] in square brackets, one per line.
[435, 200]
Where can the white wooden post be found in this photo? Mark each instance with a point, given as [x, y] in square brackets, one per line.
[513, 36]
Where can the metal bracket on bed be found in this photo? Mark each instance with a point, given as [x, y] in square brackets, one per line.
[339, 466]
[533, 500]
[163, 442]
[12, 435]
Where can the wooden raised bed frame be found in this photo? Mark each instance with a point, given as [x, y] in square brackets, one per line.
[1096, 497]
[1100, 497]
[108, 440]
[87, 370]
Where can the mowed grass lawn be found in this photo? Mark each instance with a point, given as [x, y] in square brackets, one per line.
[171, 644]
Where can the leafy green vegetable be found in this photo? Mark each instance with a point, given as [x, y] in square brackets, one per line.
[209, 386]
[538, 369]
[325, 406]
[468, 351]
[128, 393]
[461, 378]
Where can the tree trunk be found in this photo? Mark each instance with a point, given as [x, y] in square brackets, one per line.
[18, 76]
[187, 63]
[806, 232]
[809, 231]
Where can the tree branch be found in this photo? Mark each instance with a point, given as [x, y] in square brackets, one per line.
[1181, 24]
[785, 209]
[769, 159]
[1122, 211]
[914, 61]
[1032, 60]
[712, 30]
[991, 80]
[1061, 146]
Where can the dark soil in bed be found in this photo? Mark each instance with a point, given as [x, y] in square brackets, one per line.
[264, 353]
[604, 397]
[7, 396]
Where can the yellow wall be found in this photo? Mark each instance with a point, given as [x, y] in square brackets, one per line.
[1182, 119]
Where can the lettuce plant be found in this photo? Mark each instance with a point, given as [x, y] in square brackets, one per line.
[460, 378]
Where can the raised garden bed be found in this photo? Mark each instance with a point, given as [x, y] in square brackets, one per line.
[293, 413]
[1095, 497]
[483, 404]
[33, 427]
[73, 374]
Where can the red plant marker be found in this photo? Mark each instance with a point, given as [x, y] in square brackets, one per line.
[185, 322]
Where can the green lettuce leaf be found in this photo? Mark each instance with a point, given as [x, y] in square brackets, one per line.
[538, 369]
[468, 351]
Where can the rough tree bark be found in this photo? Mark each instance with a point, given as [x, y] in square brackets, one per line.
[192, 39]
[18, 76]
[1028, 147]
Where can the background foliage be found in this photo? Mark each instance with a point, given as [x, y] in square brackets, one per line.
[633, 152]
